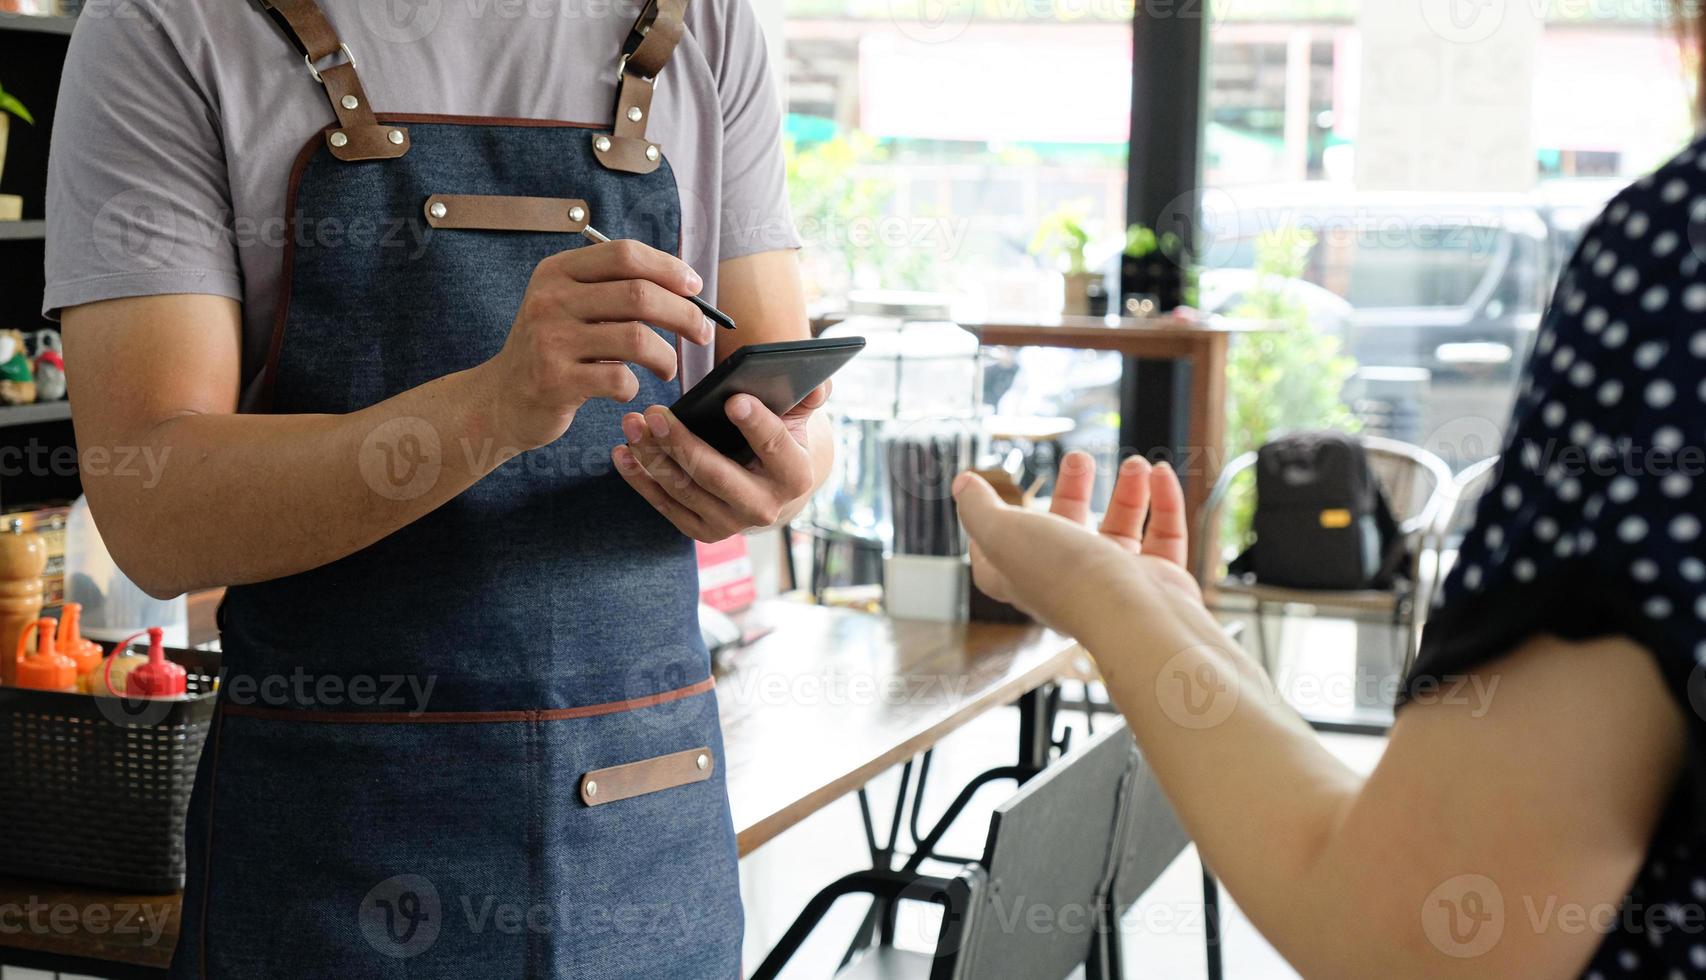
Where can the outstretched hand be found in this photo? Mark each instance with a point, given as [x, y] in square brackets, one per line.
[1053, 565]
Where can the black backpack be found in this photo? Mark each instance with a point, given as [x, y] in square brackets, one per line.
[1321, 519]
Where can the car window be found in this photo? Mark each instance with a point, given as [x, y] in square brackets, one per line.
[1419, 266]
[1391, 265]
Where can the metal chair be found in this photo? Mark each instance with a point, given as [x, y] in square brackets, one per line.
[1147, 839]
[1051, 858]
[1455, 520]
[1418, 486]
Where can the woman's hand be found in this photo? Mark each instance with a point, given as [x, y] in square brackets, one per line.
[1053, 566]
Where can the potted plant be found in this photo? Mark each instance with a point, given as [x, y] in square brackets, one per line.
[9, 107]
[1155, 266]
[1062, 234]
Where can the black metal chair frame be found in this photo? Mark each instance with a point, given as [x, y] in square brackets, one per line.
[888, 888]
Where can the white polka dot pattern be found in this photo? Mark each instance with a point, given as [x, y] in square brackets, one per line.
[1596, 524]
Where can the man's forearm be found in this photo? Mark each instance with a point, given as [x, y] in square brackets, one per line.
[229, 499]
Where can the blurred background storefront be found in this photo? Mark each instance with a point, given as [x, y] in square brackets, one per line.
[1431, 173]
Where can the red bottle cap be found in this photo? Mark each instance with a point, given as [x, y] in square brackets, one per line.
[159, 677]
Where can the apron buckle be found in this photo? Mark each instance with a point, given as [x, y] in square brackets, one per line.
[342, 48]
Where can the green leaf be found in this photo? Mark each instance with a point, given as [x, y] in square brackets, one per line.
[9, 103]
[1139, 241]
[1061, 233]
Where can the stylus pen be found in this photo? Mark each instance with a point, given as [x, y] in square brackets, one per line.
[715, 315]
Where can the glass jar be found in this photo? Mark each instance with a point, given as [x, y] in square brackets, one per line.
[918, 368]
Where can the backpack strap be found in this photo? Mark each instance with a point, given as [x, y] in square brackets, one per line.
[359, 135]
[650, 43]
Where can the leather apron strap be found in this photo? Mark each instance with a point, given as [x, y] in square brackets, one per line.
[650, 43]
[359, 135]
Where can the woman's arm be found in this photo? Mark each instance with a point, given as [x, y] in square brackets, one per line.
[1508, 816]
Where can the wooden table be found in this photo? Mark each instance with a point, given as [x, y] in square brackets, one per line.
[832, 698]
[824, 702]
[1201, 342]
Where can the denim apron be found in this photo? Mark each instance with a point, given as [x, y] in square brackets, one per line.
[487, 745]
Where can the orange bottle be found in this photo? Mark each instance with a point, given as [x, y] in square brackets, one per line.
[86, 654]
[47, 669]
[23, 556]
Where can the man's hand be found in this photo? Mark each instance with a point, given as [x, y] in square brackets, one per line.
[586, 313]
[708, 496]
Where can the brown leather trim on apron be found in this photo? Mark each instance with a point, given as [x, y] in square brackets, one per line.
[281, 310]
[624, 782]
[305, 24]
[653, 37]
[491, 212]
[650, 42]
[275, 345]
[358, 135]
[627, 148]
[465, 717]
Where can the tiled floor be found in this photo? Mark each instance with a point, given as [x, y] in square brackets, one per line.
[1164, 933]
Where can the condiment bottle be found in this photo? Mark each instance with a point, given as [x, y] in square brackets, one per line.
[23, 557]
[86, 654]
[47, 669]
[113, 680]
[159, 677]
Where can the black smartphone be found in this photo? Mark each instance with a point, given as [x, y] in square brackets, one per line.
[778, 375]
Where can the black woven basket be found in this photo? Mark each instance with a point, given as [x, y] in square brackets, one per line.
[94, 790]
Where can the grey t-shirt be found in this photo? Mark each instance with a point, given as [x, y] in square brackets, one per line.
[178, 122]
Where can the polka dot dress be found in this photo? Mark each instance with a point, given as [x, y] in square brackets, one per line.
[1594, 524]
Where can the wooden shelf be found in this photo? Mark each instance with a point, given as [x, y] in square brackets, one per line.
[30, 414]
[40, 23]
[22, 231]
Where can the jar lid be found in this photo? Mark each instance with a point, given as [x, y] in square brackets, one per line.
[900, 305]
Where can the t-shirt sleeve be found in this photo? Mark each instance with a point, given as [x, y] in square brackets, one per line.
[755, 216]
[138, 198]
[1592, 526]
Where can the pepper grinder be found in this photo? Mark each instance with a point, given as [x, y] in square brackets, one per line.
[23, 557]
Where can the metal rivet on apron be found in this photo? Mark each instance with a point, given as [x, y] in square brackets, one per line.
[703, 760]
[577, 213]
[438, 209]
[350, 101]
[601, 144]
[591, 788]
[339, 139]
[396, 137]
[634, 113]
[652, 153]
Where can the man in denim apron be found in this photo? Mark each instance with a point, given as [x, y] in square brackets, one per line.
[467, 725]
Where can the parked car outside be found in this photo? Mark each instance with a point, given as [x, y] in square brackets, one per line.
[1453, 285]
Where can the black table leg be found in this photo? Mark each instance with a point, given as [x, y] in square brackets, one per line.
[882, 859]
[1036, 727]
[1211, 923]
[1037, 711]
